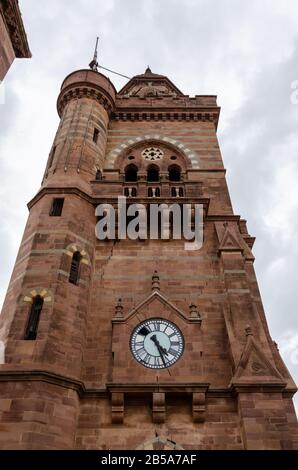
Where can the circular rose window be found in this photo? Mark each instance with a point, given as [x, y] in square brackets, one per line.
[152, 154]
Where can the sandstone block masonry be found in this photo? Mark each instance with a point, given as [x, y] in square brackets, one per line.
[69, 379]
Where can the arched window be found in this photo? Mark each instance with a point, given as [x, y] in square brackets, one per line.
[131, 173]
[75, 267]
[174, 173]
[153, 173]
[177, 192]
[130, 192]
[32, 325]
[153, 192]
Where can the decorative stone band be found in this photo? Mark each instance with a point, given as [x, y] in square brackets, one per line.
[42, 292]
[158, 138]
[165, 116]
[73, 248]
[81, 90]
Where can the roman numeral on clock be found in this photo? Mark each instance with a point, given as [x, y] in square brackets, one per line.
[173, 352]
[156, 361]
[141, 351]
[146, 358]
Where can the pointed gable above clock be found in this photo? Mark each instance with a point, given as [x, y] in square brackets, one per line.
[150, 85]
[155, 302]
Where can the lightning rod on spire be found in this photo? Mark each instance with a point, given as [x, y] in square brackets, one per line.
[94, 64]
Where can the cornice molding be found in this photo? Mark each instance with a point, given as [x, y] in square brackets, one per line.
[162, 114]
[84, 90]
[39, 375]
[12, 17]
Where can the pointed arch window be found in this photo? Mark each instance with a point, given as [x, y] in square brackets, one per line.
[75, 268]
[33, 321]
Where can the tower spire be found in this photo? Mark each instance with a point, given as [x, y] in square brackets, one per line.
[94, 64]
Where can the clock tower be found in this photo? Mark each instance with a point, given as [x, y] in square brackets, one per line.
[118, 342]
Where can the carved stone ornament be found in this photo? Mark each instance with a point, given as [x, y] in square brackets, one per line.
[13, 20]
[152, 154]
[150, 89]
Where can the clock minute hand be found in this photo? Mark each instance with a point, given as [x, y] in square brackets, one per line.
[161, 350]
[158, 345]
[155, 340]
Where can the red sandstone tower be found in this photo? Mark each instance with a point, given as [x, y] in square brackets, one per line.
[185, 358]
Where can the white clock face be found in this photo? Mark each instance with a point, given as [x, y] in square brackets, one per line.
[157, 343]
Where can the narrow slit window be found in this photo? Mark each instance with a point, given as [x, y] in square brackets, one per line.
[51, 159]
[75, 268]
[33, 321]
[57, 207]
[95, 135]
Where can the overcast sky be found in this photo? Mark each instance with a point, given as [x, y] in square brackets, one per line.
[244, 52]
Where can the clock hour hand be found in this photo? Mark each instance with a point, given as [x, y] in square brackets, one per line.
[144, 331]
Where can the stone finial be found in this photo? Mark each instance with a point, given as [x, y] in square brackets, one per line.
[148, 71]
[155, 281]
[119, 309]
[195, 314]
[248, 331]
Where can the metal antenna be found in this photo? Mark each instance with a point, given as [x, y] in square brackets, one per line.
[94, 64]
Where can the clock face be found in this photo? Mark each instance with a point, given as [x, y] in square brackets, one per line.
[156, 343]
